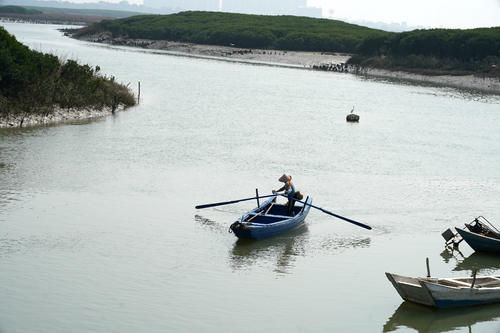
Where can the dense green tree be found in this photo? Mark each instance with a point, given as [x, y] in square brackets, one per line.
[34, 82]
[241, 30]
[449, 49]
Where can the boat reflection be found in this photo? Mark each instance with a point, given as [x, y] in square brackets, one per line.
[424, 319]
[280, 251]
[483, 263]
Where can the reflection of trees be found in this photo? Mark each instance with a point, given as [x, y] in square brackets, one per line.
[423, 319]
[481, 262]
[285, 248]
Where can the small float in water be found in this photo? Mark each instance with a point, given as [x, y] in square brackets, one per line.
[352, 117]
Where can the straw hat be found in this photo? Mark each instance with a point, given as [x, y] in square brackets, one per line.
[285, 178]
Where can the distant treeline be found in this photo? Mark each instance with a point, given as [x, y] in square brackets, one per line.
[436, 49]
[18, 10]
[32, 10]
[242, 30]
[56, 15]
[33, 82]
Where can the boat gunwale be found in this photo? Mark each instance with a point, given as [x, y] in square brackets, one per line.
[283, 218]
[478, 235]
[444, 295]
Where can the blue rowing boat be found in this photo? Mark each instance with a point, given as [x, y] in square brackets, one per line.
[270, 219]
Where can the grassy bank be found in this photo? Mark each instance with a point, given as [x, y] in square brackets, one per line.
[33, 84]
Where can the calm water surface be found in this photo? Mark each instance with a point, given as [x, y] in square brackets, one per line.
[98, 231]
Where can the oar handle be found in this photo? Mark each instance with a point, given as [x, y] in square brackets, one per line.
[230, 202]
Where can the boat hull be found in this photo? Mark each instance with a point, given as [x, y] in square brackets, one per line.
[450, 297]
[447, 293]
[410, 289]
[271, 228]
[479, 242]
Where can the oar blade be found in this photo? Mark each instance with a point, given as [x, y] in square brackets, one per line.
[359, 224]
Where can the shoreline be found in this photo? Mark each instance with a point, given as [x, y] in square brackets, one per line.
[58, 116]
[322, 61]
[294, 59]
[484, 84]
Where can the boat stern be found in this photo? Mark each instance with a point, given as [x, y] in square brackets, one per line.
[410, 289]
[240, 230]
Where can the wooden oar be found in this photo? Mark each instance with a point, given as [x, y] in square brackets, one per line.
[230, 202]
[359, 224]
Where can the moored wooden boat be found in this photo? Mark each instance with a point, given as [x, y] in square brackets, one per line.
[270, 219]
[481, 235]
[447, 292]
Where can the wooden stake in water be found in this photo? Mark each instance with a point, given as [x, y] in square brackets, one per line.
[139, 93]
[473, 278]
[428, 269]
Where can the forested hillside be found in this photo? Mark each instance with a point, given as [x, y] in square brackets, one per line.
[242, 30]
[432, 51]
[34, 82]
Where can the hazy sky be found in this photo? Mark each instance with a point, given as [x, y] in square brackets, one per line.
[432, 13]
[428, 13]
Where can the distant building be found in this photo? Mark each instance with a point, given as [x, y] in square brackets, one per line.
[266, 7]
[310, 11]
[208, 5]
[274, 7]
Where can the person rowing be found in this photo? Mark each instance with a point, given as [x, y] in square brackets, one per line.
[289, 191]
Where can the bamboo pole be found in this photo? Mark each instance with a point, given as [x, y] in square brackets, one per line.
[139, 93]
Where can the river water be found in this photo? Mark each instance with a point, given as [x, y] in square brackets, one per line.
[98, 230]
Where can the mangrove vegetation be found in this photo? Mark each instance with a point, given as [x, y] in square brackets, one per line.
[431, 51]
[19, 10]
[35, 83]
[434, 51]
[241, 30]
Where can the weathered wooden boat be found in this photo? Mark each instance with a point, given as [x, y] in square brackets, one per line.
[480, 234]
[447, 292]
[270, 219]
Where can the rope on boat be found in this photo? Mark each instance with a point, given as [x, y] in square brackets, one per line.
[484, 218]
